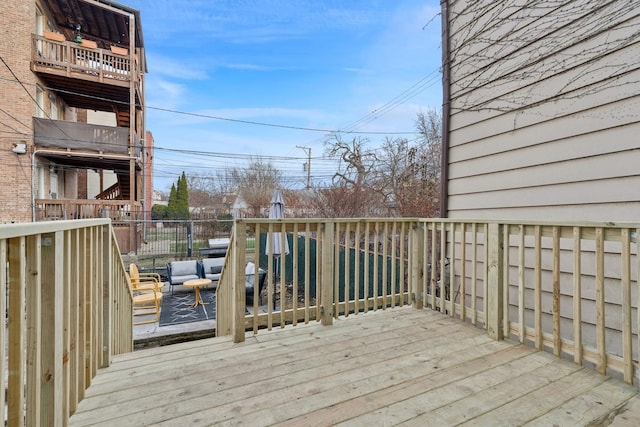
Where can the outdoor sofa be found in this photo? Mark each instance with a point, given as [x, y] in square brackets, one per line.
[179, 272]
[211, 268]
[250, 280]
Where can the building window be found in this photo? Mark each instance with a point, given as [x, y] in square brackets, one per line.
[39, 102]
[53, 182]
[40, 182]
[39, 22]
[53, 102]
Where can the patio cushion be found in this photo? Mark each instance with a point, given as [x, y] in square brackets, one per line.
[180, 271]
[183, 268]
[250, 274]
[211, 268]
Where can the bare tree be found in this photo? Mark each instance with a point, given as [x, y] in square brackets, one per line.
[427, 163]
[351, 192]
[401, 178]
[395, 175]
[225, 182]
[356, 162]
[342, 201]
[202, 190]
[256, 184]
[407, 175]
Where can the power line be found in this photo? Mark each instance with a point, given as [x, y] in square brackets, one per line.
[31, 96]
[12, 117]
[251, 122]
[15, 131]
[405, 95]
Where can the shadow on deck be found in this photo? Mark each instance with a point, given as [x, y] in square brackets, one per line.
[394, 366]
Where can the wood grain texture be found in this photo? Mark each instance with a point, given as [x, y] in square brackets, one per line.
[393, 366]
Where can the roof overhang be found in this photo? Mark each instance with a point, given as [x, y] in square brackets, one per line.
[104, 21]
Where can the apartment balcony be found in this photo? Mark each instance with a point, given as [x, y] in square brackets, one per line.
[86, 76]
[119, 211]
[73, 136]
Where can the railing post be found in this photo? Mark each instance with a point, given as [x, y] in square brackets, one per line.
[52, 344]
[495, 281]
[326, 273]
[107, 294]
[238, 287]
[416, 263]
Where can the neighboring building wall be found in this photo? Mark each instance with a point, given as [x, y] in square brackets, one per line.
[544, 110]
[17, 23]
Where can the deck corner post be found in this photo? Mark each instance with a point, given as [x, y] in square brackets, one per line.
[326, 271]
[107, 294]
[417, 262]
[495, 283]
[238, 287]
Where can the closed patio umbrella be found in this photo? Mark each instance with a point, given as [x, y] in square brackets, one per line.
[275, 245]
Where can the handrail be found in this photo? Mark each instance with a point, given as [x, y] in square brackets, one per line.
[111, 193]
[224, 294]
[72, 58]
[68, 312]
[567, 288]
[315, 289]
[65, 209]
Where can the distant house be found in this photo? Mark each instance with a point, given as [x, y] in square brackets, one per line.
[239, 207]
[541, 110]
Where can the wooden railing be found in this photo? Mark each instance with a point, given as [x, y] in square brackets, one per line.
[68, 311]
[56, 209]
[567, 288]
[322, 283]
[112, 193]
[101, 141]
[74, 60]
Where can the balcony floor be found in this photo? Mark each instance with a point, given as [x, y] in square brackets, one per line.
[397, 366]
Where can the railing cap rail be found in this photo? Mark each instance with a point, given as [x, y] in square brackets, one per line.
[525, 222]
[8, 231]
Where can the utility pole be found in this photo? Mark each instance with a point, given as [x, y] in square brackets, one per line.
[307, 166]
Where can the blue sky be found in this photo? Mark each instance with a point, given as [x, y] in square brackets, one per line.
[327, 65]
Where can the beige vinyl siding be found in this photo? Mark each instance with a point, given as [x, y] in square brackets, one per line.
[612, 288]
[611, 211]
[545, 110]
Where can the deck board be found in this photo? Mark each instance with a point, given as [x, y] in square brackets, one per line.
[395, 366]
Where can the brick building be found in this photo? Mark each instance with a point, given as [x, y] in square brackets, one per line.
[72, 128]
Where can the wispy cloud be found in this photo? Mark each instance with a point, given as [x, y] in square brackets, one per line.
[250, 67]
[320, 64]
[357, 70]
[252, 21]
[175, 68]
[164, 93]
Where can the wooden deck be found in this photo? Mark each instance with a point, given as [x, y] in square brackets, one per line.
[397, 366]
